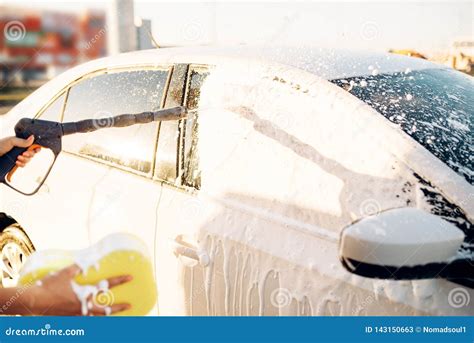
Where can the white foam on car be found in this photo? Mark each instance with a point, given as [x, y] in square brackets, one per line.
[269, 170]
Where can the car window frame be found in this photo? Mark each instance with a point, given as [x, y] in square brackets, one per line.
[200, 68]
[173, 86]
[43, 109]
[179, 182]
[65, 90]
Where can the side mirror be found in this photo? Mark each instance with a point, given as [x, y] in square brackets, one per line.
[404, 244]
[30, 178]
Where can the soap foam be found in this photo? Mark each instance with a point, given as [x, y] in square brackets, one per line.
[83, 292]
[119, 241]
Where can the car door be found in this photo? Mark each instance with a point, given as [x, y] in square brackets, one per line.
[177, 244]
[101, 182]
[115, 165]
[245, 242]
[201, 268]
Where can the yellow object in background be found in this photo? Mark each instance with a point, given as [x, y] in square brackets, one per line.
[115, 255]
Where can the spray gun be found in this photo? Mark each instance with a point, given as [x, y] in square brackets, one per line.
[48, 134]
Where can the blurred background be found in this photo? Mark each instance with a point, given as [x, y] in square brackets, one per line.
[40, 39]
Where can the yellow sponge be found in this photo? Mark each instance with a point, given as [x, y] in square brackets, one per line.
[116, 254]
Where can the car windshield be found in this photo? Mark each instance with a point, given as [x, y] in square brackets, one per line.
[433, 106]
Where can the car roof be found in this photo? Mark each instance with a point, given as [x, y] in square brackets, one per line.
[326, 63]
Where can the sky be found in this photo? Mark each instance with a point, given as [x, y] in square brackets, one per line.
[426, 26]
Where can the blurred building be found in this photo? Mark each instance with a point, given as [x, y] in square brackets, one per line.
[93, 35]
[144, 37]
[464, 46]
[39, 44]
[461, 56]
[36, 43]
[121, 27]
[408, 52]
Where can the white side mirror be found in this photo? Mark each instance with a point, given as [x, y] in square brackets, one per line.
[399, 238]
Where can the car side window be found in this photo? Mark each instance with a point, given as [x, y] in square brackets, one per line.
[54, 111]
[102, 96]
[192, 174]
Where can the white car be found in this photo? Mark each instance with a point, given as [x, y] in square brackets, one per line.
[263, 201]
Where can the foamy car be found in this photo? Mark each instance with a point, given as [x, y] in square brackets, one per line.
[303, 182]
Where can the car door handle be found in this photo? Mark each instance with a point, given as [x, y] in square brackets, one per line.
[186, 250]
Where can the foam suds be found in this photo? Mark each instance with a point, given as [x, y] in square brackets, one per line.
[53, 258]
[83, 292]
[87, 258]
[103, 285]
[84, 258]
[86, 293]
[329, 160]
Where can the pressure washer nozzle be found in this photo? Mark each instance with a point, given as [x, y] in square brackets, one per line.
[174, 113]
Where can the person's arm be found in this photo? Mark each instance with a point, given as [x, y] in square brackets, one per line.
[8, 143]
[55, 296]
[14, 301]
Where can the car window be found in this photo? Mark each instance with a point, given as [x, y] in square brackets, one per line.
[54, 110]
[192, 175]
[166, 152]
[434, 106]
[105, 95]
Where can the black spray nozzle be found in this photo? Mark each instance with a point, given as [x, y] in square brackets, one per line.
[124, 120]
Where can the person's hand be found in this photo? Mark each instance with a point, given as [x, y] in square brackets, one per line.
[8, 143]
[54, 295]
